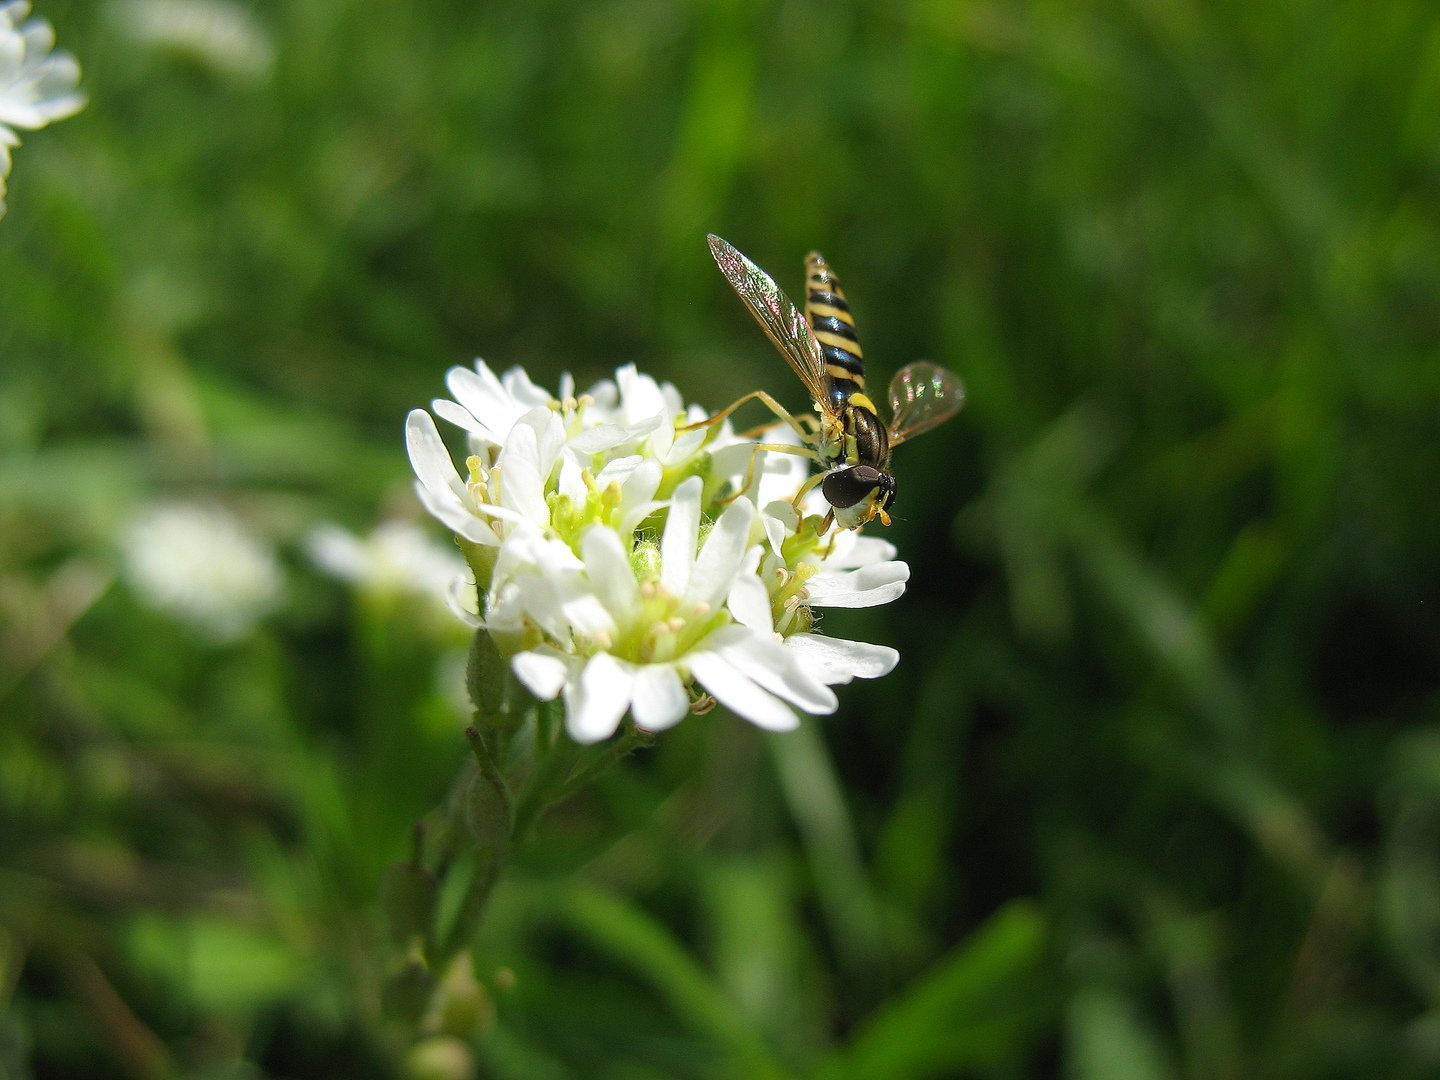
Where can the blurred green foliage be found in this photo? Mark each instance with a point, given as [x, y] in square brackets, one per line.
[1155, 793]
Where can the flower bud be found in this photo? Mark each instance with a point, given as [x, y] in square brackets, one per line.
[406, 994]
[440, 1058]
[461, 1006]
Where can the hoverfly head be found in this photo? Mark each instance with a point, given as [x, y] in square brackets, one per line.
[859, 493]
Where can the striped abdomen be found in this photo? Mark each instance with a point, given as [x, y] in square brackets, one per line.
[828, 313]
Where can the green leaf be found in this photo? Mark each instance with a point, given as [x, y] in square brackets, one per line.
[634, 938]
[975, 1008]
[1108, 1040]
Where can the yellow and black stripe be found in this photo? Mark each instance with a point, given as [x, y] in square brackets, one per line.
[828, 313]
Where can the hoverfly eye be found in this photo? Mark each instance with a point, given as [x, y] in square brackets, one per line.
[887, 495]
[846, 487]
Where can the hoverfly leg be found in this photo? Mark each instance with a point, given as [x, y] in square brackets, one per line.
[805, 489]
[760, 448]
[811, 425]
[764, 399]
[826, 523]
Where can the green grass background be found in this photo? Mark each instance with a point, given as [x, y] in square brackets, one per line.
[1155, 791]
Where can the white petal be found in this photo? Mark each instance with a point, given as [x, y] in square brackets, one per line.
[780, 521]
[687, 444]
[643, 482]
[662, 438]
[837, 660]
[878, 583]
[503, 513]
[608, 568]
[771, 665]
[522, 391]
[462, 418]
[585, 611]
[640, 395]
[556, 584]
[571, 482]
[618, 470]
[522, 485]
[596, 701]
[674, 403]
[456, 515]
[597, 440]
[605, 395]
[638, 494]
[543, 674]
[721, 558]
[750, 604]
[480, 392]
[660, 700]
[780, 478]
[460, 598]
[428, 455]
[530, 576]
[739, 694]
[851, 549]
[549, 438]
[682, 533]
[730, 461]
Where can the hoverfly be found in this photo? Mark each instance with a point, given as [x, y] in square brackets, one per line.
[849, 440]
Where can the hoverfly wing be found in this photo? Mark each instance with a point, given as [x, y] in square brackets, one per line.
[922, 396]
[778, 317]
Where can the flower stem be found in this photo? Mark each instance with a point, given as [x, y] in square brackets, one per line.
[488, 809]
[554, 756]
[616, 750]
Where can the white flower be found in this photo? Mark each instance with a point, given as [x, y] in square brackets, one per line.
[222, 34]
[199, 564]
[613, 568]
[398, 558]
[37, 85]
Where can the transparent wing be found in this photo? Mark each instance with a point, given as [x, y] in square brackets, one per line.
[778, 317]
[922, 396]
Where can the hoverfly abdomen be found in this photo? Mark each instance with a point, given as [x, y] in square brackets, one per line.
[828, 313]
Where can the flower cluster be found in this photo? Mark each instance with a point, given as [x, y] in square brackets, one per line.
[613, 563]
[200, 564]
[37, 85]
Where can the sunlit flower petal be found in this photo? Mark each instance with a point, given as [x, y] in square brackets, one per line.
[838, 661]
[660, 700]
[720, 558]
[542, 673]
[739, 693]
[596, 701]
[682, 533]
[878, 583]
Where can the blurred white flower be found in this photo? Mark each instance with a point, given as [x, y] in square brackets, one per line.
[398, 558]
[612, 566]
[224, 35]
[199, 564]
[37, 84]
